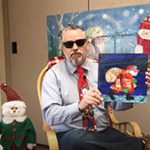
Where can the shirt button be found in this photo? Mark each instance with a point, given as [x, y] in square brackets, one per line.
[14, 130]
[13, 137]
[13, 124]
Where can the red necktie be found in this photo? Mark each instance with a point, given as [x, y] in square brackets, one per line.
[88, 119]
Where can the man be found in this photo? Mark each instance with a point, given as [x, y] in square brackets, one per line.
[80, 119]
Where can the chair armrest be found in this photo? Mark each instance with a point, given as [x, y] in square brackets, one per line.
[130, 128]
[51, 137]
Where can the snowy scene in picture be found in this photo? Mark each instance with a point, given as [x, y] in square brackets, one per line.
[115, 30]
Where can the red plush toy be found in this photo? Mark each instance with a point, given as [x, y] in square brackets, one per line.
[143, 37]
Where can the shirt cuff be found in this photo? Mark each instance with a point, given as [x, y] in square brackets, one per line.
[74, 110]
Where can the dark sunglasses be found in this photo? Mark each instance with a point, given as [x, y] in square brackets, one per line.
[79, 43]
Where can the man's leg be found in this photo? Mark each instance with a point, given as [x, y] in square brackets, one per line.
[76, 139]
[109, 139]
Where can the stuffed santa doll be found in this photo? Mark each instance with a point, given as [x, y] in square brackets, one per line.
[143, 37]
[124, 81]
[16, 129]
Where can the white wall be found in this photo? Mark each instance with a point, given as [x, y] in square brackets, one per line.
[2, 54]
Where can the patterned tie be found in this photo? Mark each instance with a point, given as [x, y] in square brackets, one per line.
[88, 120]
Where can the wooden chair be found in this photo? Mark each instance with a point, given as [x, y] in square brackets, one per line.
[129, 128]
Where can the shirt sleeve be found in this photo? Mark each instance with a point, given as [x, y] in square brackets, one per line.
[118, 106]
[52, 103]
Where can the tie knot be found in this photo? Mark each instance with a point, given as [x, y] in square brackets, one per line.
[80, 70]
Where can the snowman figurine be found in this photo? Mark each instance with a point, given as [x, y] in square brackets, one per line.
[16, 129]
[143, 37]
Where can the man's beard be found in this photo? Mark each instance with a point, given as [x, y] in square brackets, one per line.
[77, 59]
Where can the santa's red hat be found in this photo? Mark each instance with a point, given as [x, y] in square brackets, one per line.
[146, 23]
[10, 93]
[131, 67]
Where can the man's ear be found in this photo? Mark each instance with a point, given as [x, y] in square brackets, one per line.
[88, 44]
[89, 40]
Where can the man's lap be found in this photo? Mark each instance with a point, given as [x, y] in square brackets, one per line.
[108, 139]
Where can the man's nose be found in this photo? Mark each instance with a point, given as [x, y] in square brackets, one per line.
[75, 47]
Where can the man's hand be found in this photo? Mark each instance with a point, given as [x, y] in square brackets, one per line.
[90, 97]
[148, 77]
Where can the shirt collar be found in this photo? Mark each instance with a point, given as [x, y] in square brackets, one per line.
[72, 68]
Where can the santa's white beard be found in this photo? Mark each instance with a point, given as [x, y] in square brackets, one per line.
[20, 112]
[9, 115]
[134, 74]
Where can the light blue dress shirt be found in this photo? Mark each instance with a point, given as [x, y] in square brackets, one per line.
[60, 97]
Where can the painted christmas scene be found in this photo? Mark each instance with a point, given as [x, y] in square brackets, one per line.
[115, 30]
[122, 77]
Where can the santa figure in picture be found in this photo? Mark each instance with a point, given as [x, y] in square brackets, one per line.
[123, 81]
[143, 37]
[95, 38]
[16, 129]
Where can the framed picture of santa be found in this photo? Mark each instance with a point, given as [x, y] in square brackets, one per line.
[122, 77]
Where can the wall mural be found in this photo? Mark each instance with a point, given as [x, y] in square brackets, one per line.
[115, 30]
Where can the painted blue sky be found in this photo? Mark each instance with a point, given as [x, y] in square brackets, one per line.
[119, 24]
